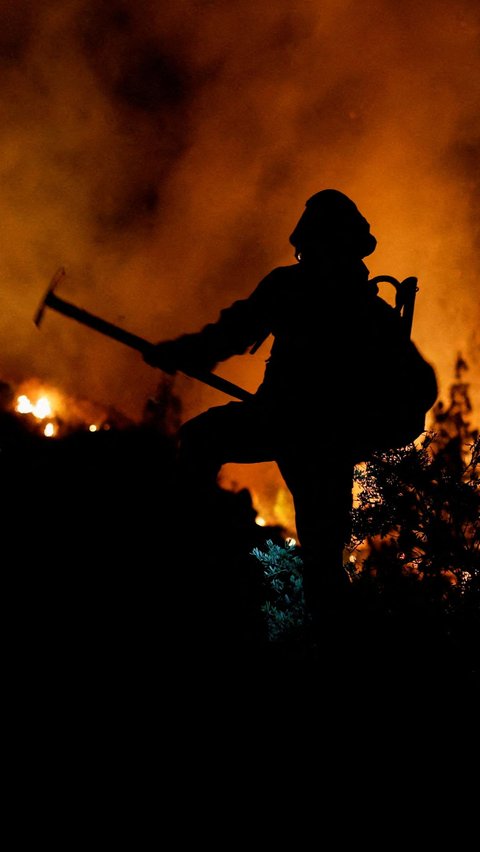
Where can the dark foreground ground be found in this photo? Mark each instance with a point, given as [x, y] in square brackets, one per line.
[115, 595]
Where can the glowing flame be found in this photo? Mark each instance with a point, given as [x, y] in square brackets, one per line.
[55, 413]
[24, 406]
[40, 409]
[261, 522]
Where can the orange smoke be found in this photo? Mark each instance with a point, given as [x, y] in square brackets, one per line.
[163, 152]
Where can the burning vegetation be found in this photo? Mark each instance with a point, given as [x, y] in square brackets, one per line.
[46, 410]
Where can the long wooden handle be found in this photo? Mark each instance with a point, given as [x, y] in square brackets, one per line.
[138, 343]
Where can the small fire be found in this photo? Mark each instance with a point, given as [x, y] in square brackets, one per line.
[56, 414]
[261, 522]
[40, 409]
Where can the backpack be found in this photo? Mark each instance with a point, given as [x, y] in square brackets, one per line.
[405, 387]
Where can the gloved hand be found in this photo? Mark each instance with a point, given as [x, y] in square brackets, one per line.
[187, 353]
[164, 355]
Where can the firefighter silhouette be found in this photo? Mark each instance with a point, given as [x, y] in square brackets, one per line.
[341, 380]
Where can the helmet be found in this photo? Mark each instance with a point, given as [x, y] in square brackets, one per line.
[332, 223]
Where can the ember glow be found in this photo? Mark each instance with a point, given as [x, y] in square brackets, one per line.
[162, 153]
[53, 413]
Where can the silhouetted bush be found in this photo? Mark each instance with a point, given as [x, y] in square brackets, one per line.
[418, 513]
[415, 548]
[113, 562]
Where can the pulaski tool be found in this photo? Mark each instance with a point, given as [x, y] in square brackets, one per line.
[404, 305]
[51, 300]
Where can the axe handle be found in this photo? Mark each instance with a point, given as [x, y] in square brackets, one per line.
[138, 343]
[101, 325]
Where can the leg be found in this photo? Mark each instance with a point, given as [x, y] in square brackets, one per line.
[215, 532]
[236, 432]
[322, 492]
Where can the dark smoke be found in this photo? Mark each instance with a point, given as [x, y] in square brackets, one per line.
[163, 152]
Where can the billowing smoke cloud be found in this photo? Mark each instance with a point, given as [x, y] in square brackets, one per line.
[163, 152]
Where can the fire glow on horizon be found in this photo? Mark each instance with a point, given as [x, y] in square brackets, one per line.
[163, 152]
[54, 414]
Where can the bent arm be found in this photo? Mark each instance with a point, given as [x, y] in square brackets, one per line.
[237, 328]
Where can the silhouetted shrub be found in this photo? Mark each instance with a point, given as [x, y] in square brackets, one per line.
[415, 547]
[418, 515]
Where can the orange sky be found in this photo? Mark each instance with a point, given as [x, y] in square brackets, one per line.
[162, 153]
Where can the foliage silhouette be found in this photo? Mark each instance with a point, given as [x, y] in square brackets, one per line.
[418, 512]
[284, 608]
[414, 554]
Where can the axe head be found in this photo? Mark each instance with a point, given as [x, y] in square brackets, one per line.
[60, 273]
